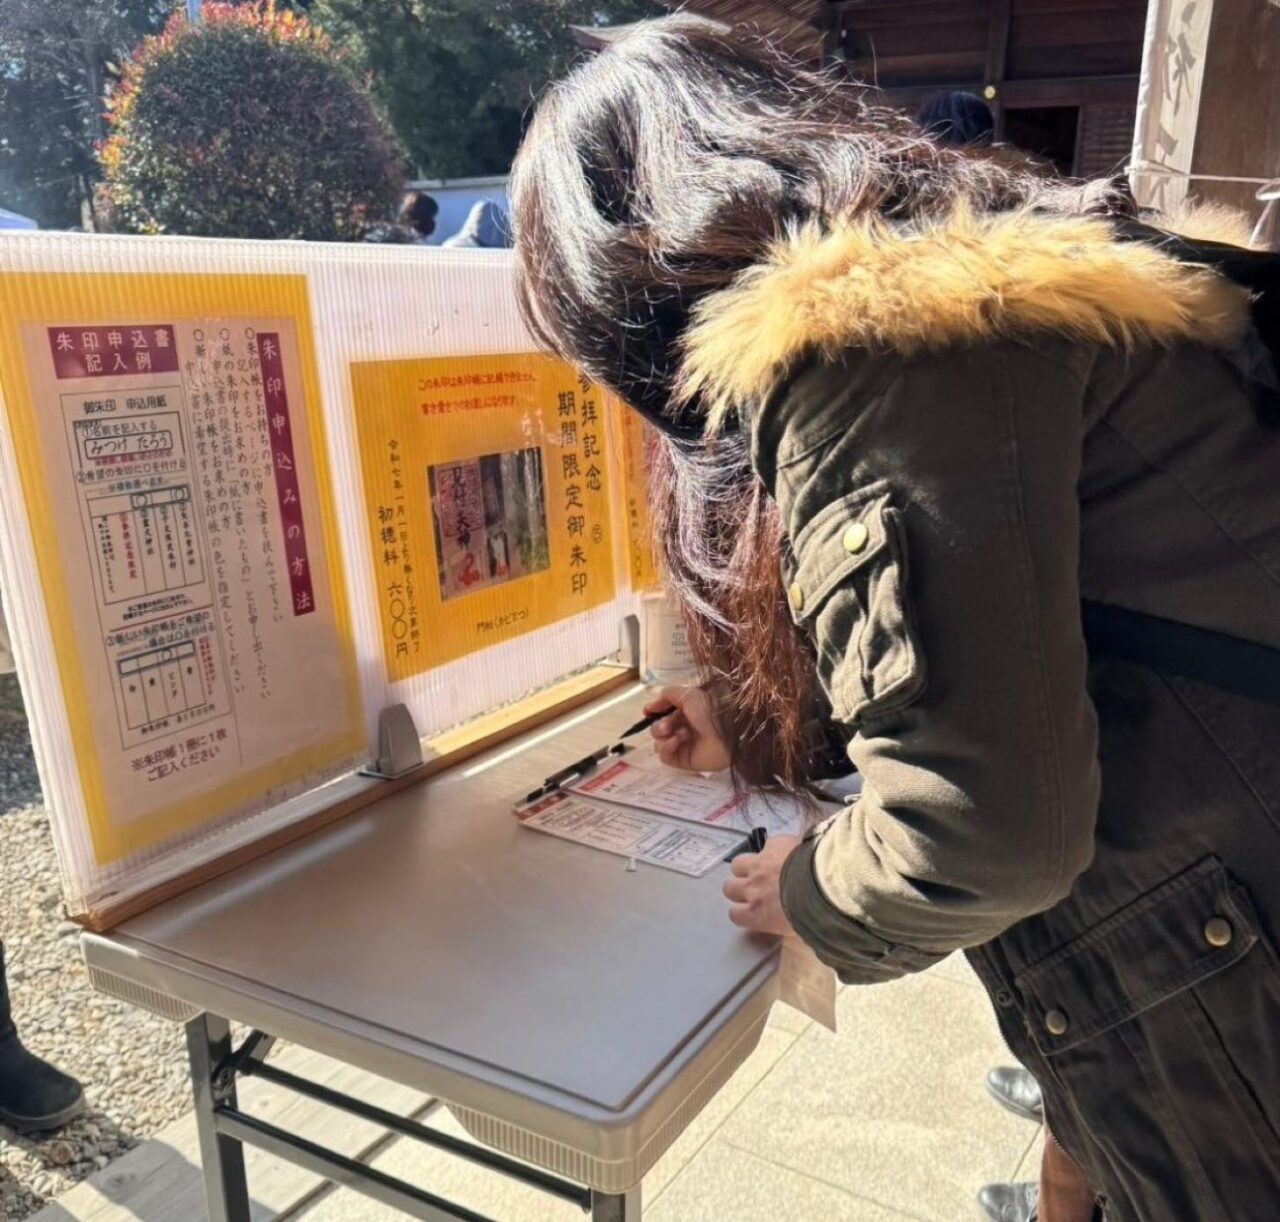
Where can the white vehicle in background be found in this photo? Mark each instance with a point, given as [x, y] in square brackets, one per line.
[13, 220]
[456, 198]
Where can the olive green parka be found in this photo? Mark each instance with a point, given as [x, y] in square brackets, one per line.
[970, 428]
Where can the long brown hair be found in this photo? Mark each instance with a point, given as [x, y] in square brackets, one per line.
[652, 176]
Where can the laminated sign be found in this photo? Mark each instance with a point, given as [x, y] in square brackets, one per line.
[488, 492]
[252, 494]
[170, 446]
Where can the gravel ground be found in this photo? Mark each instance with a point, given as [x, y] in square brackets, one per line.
[133, 1066]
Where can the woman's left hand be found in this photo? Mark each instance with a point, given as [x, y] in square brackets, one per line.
[753, 889]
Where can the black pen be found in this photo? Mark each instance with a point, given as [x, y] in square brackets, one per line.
[579, 768]
[755, 843]
[647, 720]
[574, 772]
[577, 771]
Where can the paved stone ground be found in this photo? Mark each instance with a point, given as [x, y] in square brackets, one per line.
[133, 1065]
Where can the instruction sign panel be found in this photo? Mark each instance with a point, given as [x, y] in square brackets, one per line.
[487, 486]
[176, 485]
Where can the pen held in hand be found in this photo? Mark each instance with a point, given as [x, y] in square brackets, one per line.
[646, 721]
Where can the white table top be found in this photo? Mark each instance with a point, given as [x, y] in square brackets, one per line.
[433, 939]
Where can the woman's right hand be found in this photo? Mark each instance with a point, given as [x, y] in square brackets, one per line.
[688, 739]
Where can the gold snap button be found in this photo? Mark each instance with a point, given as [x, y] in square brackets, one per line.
[855, 537]
[796, 595]
[1218, 931]
[1055, 1022]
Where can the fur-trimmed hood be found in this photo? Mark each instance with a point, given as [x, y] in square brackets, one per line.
[968, 279]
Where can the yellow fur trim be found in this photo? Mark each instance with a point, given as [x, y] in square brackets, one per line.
[1209, 222]
[969, 279]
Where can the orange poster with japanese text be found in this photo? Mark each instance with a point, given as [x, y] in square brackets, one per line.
[487, 487]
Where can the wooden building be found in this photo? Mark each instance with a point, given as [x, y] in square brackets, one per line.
[1061, 76]
[1192, 85]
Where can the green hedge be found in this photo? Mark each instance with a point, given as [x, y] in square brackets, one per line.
[249, 124]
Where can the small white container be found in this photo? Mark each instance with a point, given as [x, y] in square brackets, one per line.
[665, 656]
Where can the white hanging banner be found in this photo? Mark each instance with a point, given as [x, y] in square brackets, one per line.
[1173, 59]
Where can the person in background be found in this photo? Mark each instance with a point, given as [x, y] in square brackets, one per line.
[419, 212]
[34, 1096]
[935, 433]
[1017, 1091]
[486, 225]
[957, 118]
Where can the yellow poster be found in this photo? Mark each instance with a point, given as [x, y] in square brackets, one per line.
[170, 439]
[487, 485]
[633, 441]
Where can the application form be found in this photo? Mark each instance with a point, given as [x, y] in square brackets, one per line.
[657, 839]
[642, 781]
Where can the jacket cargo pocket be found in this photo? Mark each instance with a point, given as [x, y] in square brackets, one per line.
[849, 589]
[1176, 935]
[1170, 1009]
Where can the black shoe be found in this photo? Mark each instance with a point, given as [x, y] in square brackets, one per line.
[1017, 1090]
[34, 1096]
[1010, 1202]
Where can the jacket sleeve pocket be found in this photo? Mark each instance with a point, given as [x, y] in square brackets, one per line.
[849, 591]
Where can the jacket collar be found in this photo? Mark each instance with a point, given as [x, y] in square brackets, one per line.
[968, 279]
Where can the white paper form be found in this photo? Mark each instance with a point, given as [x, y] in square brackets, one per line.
[656, 839]
[685, 795]
[644, 782]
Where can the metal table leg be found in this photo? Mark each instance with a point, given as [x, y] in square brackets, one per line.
[225, 1186]
[223, 1131]
[624, 1208]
